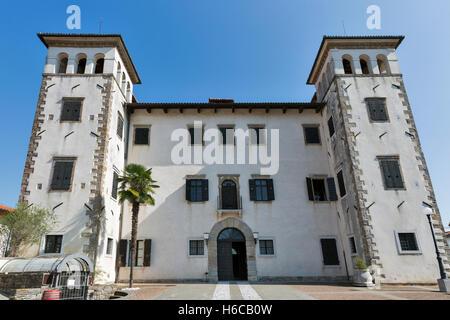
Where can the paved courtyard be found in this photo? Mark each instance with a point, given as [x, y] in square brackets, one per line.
[282, 291]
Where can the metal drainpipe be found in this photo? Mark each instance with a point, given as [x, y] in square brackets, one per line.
[127, 136]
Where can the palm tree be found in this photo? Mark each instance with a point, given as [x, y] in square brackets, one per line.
[136, 186]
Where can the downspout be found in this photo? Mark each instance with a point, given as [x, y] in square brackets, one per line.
[127, 136]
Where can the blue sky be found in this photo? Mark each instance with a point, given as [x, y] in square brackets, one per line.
[249, 50]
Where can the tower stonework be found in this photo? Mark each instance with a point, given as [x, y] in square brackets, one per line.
[86, 82]
[349, 74]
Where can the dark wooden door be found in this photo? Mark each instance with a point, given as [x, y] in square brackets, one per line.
[229, 195]
[225, 260]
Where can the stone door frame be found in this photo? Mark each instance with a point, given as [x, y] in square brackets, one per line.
[250, 247]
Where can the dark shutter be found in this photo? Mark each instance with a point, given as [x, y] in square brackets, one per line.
[270, 191]
[188, 190]
[341, 183]
[68, 166]
[205, 191]
[391, 173]
[71, 111]
[141, 136]
[252, 186]
[310, 189]
[329, 252]
[147, 252]
[332, 189]
[123, 245]
[312, 135]
[115, 185]
[58, 174]
[396, 174]
[377, 109]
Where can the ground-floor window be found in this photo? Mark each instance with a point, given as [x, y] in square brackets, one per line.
[329, 252]
[266, 247]
[53, 243]
[196, 248]
[407, 242]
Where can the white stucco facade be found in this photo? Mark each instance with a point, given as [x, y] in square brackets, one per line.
[370, 214]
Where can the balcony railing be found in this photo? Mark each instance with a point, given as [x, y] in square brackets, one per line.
[221, 211]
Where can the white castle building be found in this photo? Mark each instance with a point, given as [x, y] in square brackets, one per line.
[350, 179]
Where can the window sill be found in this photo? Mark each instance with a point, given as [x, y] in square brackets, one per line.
[267, 255]
[332, 267]
[410, 253]
[196, 257]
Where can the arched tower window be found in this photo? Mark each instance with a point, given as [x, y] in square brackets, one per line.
[124, 81]
[99, 63]
[128, 91]
[81, 67]
[346, 62]
[63, 60]
[383, 64]
[119, 71]
[365, 64]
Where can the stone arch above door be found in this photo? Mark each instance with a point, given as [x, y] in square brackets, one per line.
[249, 244]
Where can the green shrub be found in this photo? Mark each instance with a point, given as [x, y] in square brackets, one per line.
[360, 264]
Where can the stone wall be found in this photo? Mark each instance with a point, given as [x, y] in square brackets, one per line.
[4, 235]
[102, 292]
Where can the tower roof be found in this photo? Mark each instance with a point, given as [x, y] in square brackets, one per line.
[93, 40]
[350, 42]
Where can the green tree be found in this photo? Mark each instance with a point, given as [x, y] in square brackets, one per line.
[27, 225]
[136, 187]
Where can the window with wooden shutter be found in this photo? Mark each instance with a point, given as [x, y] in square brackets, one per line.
[71, 110]
[261, 190]
[341, 183]
[310, 189]
[331, 126]
[62, 175]
[115, 185]
[377, 109]
[147, 252]
[392, 176]
[197, 190]
[312, 134]
[141, 136]
[120, 126]
[332, 189]
[329, 252]
[123, 248]
[140, 246]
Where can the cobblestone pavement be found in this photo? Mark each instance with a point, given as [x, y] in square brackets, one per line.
[282, 291]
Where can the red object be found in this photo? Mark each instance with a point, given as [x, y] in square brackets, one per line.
[51, 295]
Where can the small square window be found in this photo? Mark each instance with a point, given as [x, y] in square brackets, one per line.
[53, 243]
[266, 248]
[71, 110]
[312, 134]
[141, 136]
[196, 248]
[109, 246]
[197, 190]
[408, 242]
[331, 126]
[261, 190]
[257, 135]
[227, 133]
[377, 109]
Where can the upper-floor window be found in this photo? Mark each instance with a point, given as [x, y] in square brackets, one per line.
[383, 65]
[352, 242]
[115, 185]
[62, 174]
[53, 243]
[99, 63]
[261, 190]
[63, 61]
[257, 135]
[346, 62]
[109, 246]
[81, 65]
[197, 190]
[364, 62]
[71, 109]
[377, 109]
[321, 189]
[311, 134]
[331, 126]
[340, 177]
[120, 125]
[142, 136]
[390, 169]
[119, 71]
[227, 134]
[196, 135]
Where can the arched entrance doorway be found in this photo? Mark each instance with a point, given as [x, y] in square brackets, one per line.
[231, 255]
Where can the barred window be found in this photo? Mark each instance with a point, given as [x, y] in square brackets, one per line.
[312, 134]
[408, 241]
[266, 247]
[53, 243]
[196, 248]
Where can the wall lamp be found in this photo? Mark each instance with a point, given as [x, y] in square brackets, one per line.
[256, 236]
